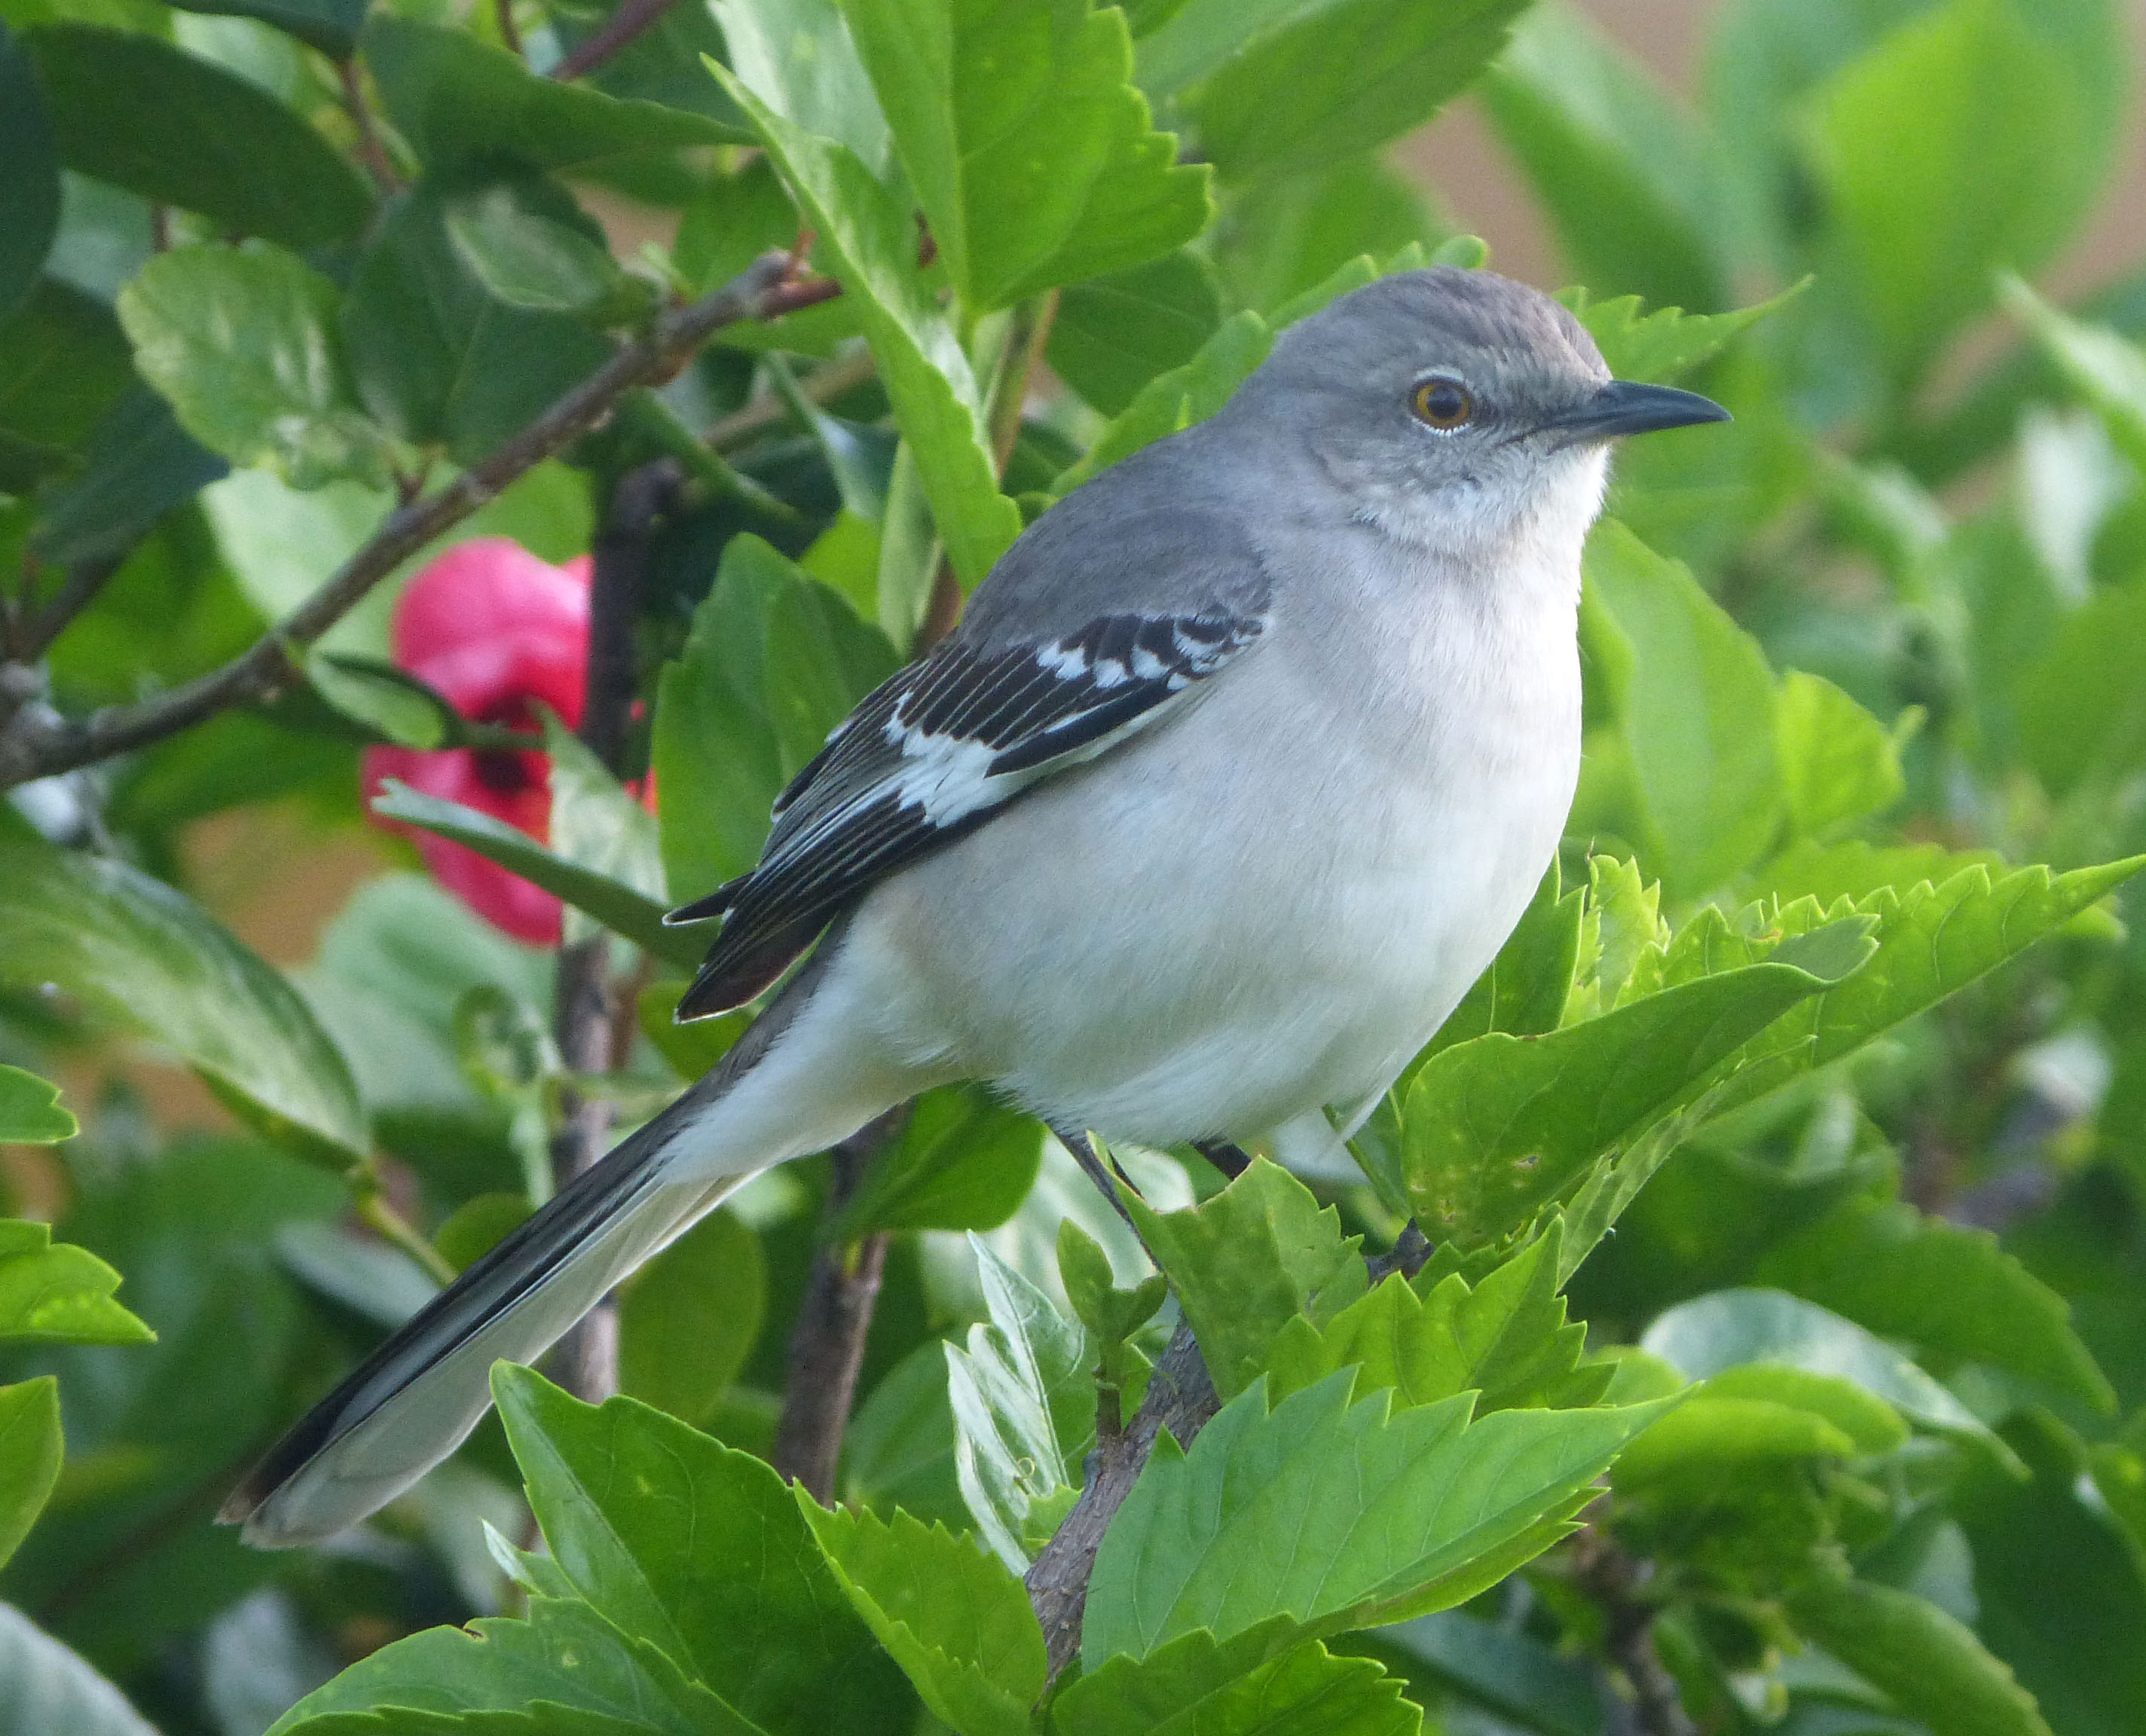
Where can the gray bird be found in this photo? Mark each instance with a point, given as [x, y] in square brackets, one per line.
[1240, 768]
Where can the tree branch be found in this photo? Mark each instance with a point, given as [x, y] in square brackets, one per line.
[628, 22]
[38, 743]
[827, 1345]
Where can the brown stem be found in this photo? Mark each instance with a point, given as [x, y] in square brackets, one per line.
[631, 18]
[827, 1345]
[509, 33]
[1616, 1583]
[371, 150]
[83, 581]
[37, 745]
[586, 1018]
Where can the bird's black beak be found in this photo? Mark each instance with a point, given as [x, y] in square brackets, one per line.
[1625, 407]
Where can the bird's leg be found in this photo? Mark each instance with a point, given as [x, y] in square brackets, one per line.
[1231, 1159]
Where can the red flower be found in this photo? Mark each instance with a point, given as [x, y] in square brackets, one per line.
[496, 631]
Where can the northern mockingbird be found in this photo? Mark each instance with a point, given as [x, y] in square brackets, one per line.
[1240, 768]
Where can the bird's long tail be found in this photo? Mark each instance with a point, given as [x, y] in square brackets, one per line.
[783, 1091]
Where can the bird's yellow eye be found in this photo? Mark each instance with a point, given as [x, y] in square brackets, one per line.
[1444, 404]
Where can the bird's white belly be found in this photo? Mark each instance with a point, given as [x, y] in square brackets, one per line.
[1221, 928]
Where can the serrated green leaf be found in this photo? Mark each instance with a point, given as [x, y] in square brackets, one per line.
[1497, 1127]
[955, 1618]
[1110, 1315]
[148, 960]
[30, 1111]
[687, 1320]
[1838, 763]
[630, 915]
[1942, 1286]
[1931, 1665]
[1248, 1259]
[1336, 1516]
[59, 1294]
[700, 1550]
[1023, 1400]
[965, 1161]
[243, 344]
[144, 114]
[1665, 342]
[30, 1453]
[936, 401]
[1193, 1687]
[564, 1655]
[30, 191]
[1111, 335]
[1526, 988]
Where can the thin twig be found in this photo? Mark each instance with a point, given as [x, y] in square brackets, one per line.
[728, 433]
[834, 1319]
[377, 1213]
[83, 581]
[632, 17]
[371, 150]
[1617, 1584]
[38, 744]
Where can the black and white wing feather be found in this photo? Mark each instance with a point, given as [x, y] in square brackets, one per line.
[932, 753]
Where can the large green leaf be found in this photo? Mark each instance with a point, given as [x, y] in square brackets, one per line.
[1931, 1665]
[1695, 706]
[2082, 717]
[564, 1655]
[1496, 1127]
[51, 1688]
[1627, 178]
[1023, 1400]
[630, 913]
[872, 243]
[1285, 235]
[1188, 393]
[597, 824]
[57, 1293]
[63, 366]
[1027, 147]
[701, 1550]
[800, 57]
[1193, 1687]
[1248, 1260]
[139, 112]
[437, 356]
[965, 1161]
[1838, 762]
[955, 1618]
[30, 1112]
[1111, 335]
[461, 103]
[1662, 343]
[146, 958]
[137, 464]
[1941, 1286]
[30, 1454]
[1335, 1515]
[1296, 84]
[30, 180]
[243, 344]
[687, 1320]
[330, 26]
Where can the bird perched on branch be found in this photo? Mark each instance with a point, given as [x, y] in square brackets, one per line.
[1238, 770]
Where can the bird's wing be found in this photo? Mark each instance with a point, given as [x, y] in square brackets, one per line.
[934, 752]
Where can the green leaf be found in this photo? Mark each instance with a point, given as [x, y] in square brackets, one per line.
[1309, 83]
[1028, 149]
[137, 463]
[146, 958]
[1508, 1669]
[527, 260]
[373, 691]
[1112, 334]
[801, 58]
[597, 824]
[1941, 1286]
[1668, 343]
[439, 357]
[1695, 701]
[462, 102]
[700, 1550]
[564, 1655]
[1193, 1687]
[30, 186]
[688, 1320]
[63, 366]
[1496, 1127]
[1525, 989]
[1629, 179]
[1931, 1665]
[1967, 140]
[1838, 763]
[630, 915]
[1023, 1410]
[1280, 237]
[243, 343]
[956, 1621]
[1869, 1422]
[1188, 393]
[822, 658]
[2082, 717]
[59, 1294]
[52, 1689]
[30, 1112]
[2099, 364]
[872, 239]
[1506, 1340]
[330, 26]
[1248, 1259]
[144, 115]
[1708, 1437]
[965, 1161]
[1336, 1516]
[1110, 1315]
[1729, 1328]
[30, 1454]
